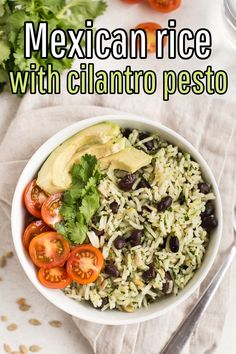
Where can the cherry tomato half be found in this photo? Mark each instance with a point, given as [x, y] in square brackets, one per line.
[50, 210]
[84, 264]
[35, 228]
[54, 278]
[49, 250]
[164, 5]
[34, 197]
[151, 28]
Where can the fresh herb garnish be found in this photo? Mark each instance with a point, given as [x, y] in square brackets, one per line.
[61, 14]
[81, 200]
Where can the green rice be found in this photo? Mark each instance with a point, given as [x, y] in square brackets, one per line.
[171, 173]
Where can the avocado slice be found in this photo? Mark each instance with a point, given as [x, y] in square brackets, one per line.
[56, 162]
[130, 159]
[62, 178]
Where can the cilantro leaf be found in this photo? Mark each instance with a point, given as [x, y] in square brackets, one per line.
[90, 204]
[81, 200]
[60, 14]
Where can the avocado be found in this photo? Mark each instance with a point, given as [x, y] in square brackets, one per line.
[62, 178]
[130, 159]
[56, 163]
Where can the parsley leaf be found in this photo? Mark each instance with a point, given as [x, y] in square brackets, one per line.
[81, 200]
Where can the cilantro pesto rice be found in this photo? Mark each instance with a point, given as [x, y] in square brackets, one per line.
[152, 227]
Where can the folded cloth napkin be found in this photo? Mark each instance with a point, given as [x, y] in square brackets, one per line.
[210, 126]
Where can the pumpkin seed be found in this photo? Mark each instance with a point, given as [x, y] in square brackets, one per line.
[12, 327]
[34, 322]
[7, 348]
[56, 324]
[23, 349]
[3, 262]
[15, 352]
[34, 348]
[1, 279]
[24, 307]
[4, 318]
[21, 301]
[9, 254]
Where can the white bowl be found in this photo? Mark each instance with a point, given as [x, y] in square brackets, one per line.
[83, 310]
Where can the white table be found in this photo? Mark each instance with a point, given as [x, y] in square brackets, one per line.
[194, 14]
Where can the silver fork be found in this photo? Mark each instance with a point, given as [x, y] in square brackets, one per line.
[187, 326]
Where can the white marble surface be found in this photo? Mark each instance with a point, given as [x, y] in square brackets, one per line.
[195, 14]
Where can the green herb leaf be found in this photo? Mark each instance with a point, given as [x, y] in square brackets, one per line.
[89, 205]
[81, 200]
[60, 14]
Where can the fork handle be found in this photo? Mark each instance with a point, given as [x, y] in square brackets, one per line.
[187, 326]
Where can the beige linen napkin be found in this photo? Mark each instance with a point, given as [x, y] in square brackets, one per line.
[210, 126]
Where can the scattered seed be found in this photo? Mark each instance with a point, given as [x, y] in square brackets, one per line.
[7, 348]
[15, 352]
[1, 279]
[12, 327]
[24, 307]
[23, 349]
[34, 322]
[4, 318]
[21, 301]
[9, 254]
[34, 348]
[3, 261]
[56, 324]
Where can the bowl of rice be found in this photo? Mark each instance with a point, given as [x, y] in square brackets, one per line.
[160, 227]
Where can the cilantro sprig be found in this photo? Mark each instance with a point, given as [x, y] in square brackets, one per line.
[60, 14]
[81, 200]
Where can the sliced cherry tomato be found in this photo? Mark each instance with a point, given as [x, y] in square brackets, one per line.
[34, 197]
[132, 1]
[164, 5]
[151, 28]
[54, 278]
[35, 228]
[50, 210]
[49, 250]
[84, 264]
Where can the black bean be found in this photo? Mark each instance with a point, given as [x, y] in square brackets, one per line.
[204, 188]
[174, 244]
[209, 223]
[164, 204]
[114, 207]
[163, 244]
[126, 132]
[119, 242]
[149, 144]
[126, 183]
[166, 285]
[105, 301]
[149, 274]
[181, 199]
[143, 135]
[111, 270]
[143, 184]
[98, 232]
[135, 237]
[209, 209]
